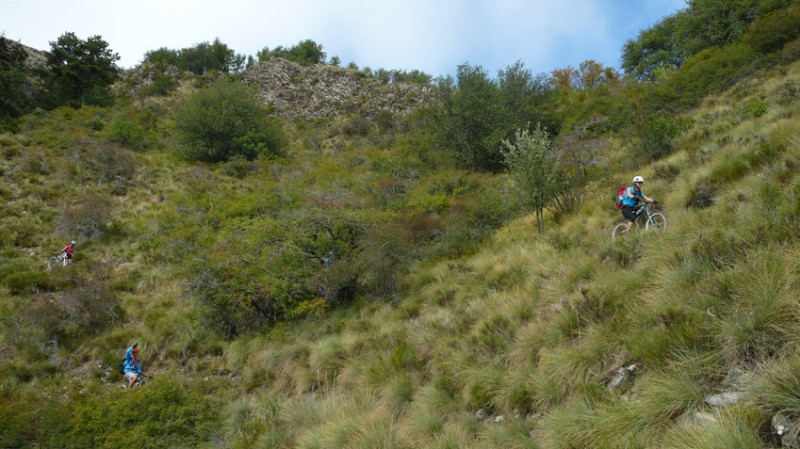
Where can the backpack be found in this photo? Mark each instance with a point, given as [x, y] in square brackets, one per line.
[620, 196]
[122, 367]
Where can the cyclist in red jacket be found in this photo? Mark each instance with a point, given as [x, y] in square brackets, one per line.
[69, 249]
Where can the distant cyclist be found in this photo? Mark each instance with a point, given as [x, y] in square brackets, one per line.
[630, 201]
[68, 250]
[133, 365]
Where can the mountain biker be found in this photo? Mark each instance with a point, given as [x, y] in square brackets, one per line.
[631, 199]
[69, 248]
[133, 365]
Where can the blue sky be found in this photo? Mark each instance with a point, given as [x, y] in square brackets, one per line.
[434, 36]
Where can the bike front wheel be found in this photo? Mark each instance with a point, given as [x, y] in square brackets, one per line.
[619, 230]
[52, 262]
[656, 221]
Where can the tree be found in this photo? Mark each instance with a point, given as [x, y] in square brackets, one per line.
[80, 72]
[703, 25]
[525, 99]
[306, 52]
[533, 170]
[657, 49]
[475, 113]
[468, 117]
[772, 31]
[225, 120]
[16, 98]
[200, 59]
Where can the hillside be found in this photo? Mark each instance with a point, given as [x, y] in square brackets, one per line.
[363, 287]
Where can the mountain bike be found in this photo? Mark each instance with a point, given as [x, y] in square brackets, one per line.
[650, 218]
[141, 380]
[60, 259]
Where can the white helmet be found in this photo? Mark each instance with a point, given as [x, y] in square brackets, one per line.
[638, 179]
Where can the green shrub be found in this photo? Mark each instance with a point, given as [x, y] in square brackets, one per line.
[27, 281]
[163, 414]
[224, 120]
[771, 32]
[86, 219]
[756, 107]
[658, 135]
[705, 73]
[357, 126]
[126, 131]
[702, 194]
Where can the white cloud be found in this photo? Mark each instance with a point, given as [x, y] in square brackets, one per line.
[413, 34]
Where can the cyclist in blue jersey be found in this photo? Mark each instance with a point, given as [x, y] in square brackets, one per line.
[133, 365]
[630, 200]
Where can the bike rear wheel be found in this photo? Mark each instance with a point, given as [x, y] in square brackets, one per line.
[656, 221]
[619, 230]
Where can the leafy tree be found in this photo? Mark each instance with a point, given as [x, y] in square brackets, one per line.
[306, 52]
[533, 170]
[709, 71]
[80, 72]
[475, 112]
[164, 56]
[772, 31]
[225, 120]
[201, 58]
[16, 98]
[656, 50]
[525, 99]
[704, 24]
[469, 118]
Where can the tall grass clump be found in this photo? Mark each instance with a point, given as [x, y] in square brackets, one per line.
[764, 316]
[735, 428]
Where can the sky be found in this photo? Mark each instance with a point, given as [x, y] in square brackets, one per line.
[434, 36]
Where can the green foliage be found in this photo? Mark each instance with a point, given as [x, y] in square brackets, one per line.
[87, 218]
[162, 414]
[533, 170]
[702, 26]
[658, 135]
[306, 52]
[199, 59]
[80, 71]
[126, 131]
[771, 32]
[655, 50]
[20, 275]
[16, 99]
[225, 120]
[709, 71]
[475, 113]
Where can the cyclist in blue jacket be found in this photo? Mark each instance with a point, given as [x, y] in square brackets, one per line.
[630, 200]
[133, 365]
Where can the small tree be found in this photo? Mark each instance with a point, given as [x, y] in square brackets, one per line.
[15, 99]
[226, 120]
[306, 52]
[532, 169]
[80, 71]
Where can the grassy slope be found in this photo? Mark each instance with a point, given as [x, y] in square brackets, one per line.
[529, 328]
[533, 328]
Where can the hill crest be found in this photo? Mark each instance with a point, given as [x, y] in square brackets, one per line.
[324, 91]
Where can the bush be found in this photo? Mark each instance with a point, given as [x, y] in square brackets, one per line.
[164, 414]
[771, 32]
[705, 73]
[658, 135]
[224, 120]
[127, 132]
[87, 219]
[27, 281]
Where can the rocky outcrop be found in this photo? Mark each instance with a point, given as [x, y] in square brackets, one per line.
[323, 91]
